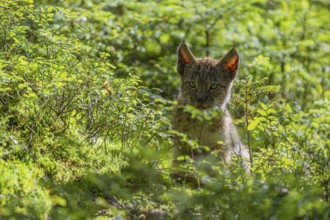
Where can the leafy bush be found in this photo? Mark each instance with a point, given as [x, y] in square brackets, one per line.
[86, 90]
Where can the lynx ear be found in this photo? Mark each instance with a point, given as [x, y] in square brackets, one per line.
[230, 62]
[185, 56]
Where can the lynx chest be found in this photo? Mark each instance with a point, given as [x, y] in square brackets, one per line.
[205, 132]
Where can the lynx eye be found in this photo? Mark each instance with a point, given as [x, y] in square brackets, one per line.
[191, 84]
[214, 86]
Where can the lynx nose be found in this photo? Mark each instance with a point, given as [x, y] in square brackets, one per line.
[201, 99]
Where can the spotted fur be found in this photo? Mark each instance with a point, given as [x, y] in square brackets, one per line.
[206, 85]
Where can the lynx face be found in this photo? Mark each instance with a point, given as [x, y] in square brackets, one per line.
[206, 82]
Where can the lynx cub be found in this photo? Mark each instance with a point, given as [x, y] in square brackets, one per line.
[206, 85]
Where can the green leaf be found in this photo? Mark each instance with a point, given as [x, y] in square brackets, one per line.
[262, 112]
[49, 9]
[288, 108]
[253, 124]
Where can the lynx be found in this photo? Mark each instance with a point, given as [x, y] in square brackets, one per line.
[206, 85]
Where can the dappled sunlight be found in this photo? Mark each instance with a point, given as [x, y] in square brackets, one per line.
[87, 90]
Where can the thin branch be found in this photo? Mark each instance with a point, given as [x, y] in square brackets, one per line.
[247, 124]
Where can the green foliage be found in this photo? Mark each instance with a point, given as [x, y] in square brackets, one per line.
[85, 102]
[21, 195]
